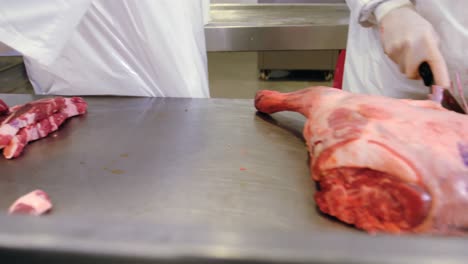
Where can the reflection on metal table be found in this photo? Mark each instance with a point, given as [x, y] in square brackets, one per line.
[164, 179]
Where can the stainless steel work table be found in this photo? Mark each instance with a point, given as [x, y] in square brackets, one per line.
[184, 180]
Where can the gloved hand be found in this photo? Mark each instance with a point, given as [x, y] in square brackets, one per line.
[409, 40]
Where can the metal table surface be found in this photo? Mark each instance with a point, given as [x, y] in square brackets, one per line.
[261, 27]
[183, 180]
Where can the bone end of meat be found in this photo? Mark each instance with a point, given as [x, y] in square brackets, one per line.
[301, 101]
[34, 203]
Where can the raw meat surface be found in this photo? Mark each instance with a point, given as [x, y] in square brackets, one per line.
[383, 164]
[35, 120]
[34, 203]
[3, 107]
[26, 115]
[73, 107]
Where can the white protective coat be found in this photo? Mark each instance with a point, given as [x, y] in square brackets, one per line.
[110, 47]
[368, 70]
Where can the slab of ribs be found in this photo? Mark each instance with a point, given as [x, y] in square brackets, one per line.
[22, 124]
[382, 164]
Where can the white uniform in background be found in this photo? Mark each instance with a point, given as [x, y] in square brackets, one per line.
[110, 47]
[369, 70]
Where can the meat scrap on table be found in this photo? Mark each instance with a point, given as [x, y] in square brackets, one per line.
[383, 164]
[35, 203]
[34, 120]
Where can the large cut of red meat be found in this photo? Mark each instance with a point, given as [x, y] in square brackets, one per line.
[383, 164]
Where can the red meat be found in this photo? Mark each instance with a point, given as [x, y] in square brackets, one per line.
[383, 164]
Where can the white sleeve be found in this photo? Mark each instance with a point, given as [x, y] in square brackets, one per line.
[372, 11]
[40, 29]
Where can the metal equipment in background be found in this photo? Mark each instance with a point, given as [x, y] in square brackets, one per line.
[289, 35]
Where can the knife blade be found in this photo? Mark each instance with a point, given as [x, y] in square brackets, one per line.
[439, 93]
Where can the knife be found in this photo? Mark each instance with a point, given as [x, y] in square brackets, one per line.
[439, 93]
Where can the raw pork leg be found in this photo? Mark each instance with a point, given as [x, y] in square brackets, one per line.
[73, 107]
[383, 164]
[34, 203]
[26, 115]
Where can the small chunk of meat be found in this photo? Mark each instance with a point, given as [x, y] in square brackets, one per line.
[34, 203]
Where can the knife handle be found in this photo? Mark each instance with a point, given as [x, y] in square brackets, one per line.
[426, 74]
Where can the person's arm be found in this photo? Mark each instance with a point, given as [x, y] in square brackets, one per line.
[372, 11]
[407, 38]
[40, 29]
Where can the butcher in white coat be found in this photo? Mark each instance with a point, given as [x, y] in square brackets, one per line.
[389, 39]
[110, 47]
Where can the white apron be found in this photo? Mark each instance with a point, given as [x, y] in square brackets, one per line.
[110, 47]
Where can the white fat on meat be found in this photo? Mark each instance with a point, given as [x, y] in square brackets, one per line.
[8, 129]
[72, 107]
[35, 203]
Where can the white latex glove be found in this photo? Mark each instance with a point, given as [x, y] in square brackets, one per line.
[409, 40]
